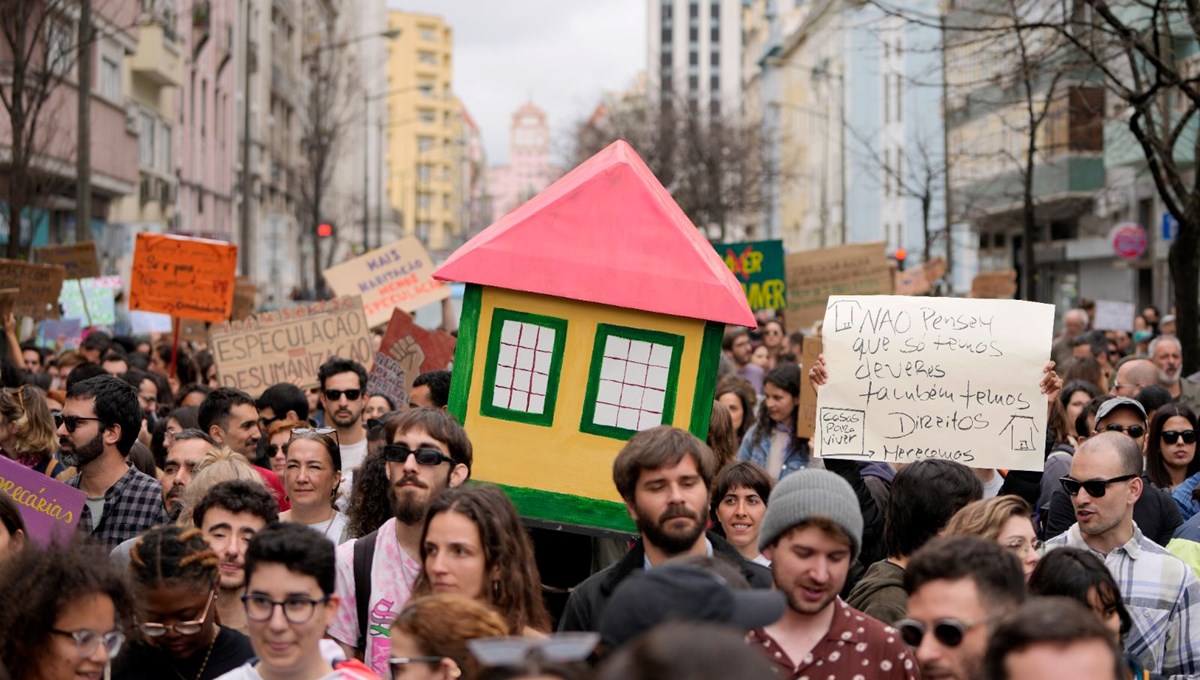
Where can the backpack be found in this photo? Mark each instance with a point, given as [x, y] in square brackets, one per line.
[364, 557]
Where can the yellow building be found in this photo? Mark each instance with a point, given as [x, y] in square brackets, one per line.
[592, 312]
[423, 137]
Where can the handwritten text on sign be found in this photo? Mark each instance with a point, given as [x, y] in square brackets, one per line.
[917, 378]
[39, 285]
[186, 277]
[290, 344]
[49, 508]
[396, 275]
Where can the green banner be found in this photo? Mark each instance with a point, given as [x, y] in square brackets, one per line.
[758, 266]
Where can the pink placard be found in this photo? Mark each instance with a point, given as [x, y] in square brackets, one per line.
[49, 508]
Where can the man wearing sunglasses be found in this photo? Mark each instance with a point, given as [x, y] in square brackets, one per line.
[99, 423]
[1154, 511]
[1159, 590]
[959, 588]
[427, 451]
[343, 398]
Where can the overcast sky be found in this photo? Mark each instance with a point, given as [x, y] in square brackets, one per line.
[562, 53]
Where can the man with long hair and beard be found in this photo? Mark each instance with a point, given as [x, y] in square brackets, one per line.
[427, 451]
[96, 429]
[664, 475]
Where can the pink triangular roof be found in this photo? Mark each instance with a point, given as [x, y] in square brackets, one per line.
[606, 232]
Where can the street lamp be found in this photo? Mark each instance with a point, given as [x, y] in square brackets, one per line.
[367, 99]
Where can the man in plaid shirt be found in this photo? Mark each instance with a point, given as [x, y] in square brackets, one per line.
[98, 425]
[1160, 591]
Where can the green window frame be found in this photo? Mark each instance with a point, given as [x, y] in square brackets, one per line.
[519, 374]
[632, 381]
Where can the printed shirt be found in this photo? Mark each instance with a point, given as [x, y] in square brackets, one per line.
[1163, 597]
[131, 506]
[855, 647]
[393, 573]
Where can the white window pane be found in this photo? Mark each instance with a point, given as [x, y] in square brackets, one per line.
[609, 392]
[537, 403]
[545, 341]
[657, 377]
[606, 414]
[631, 396]
[635, 374]
[520, 401]
[508, 355]
[616, 347]
[612, 369]
[525, 358]
[500, 397]
[652, 400]
[541, 361]
[521, 380]
[504, 376]
[639, 351]
[660, 355]
[628, 418]
[528, 336]
[539, 383]
[509, 332]
[647, 420]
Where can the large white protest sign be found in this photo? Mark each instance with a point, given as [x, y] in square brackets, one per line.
[916, 378]
[1114, 316]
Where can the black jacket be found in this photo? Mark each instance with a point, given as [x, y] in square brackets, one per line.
[588, 599]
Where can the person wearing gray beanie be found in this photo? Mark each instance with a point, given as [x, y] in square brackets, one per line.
[812, 533]
[810, 493]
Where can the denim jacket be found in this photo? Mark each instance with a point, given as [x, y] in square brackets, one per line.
[757, 453]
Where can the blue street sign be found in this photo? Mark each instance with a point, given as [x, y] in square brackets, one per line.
[1170, 227]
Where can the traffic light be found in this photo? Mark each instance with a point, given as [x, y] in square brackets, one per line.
[324, 230]
[900, 254]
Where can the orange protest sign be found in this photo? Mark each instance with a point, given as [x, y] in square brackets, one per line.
[189, 278]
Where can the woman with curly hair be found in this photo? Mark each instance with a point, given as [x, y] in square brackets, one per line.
[473, 544]
[432, 632]
[27, 429]
[737, 395]
[174, 585]
[64, 613]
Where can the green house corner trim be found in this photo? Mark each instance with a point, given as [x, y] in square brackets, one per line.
[706, 378]
[568, 509]
[464, 352]
[603, 332]
[486, 407]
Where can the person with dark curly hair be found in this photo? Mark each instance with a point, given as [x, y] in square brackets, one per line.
[371, 499]
[64, 613]
[174, 573]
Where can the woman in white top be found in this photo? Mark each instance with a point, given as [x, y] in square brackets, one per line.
[311, 475]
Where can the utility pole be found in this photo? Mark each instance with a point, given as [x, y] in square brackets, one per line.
[247, 139]
[366, 170]
[83, 151]
[949, 201]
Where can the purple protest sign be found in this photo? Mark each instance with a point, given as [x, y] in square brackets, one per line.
[49, 508]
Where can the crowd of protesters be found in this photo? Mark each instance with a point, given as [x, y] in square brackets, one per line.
[327, 532]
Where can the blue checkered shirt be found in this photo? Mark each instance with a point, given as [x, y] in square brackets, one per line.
[1163, 597]
[131, 506]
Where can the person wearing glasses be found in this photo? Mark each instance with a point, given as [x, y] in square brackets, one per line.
[312, 473]
[1171, 447]
[1007, 520]
[959, 588]
[97, 428]
[343, 398]
[64, 613]
[1160, 591]
[174, 573]
[428, 451]
[812, 533]
[289, 601]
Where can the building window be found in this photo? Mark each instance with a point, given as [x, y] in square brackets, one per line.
[631, 386]
[110, 79]
[428, 58]
[164, 132]
[145, 140]
[424, 143]
[693, 35]
[427, 115]
[693, 58]
[693, 9]
[525, 354]
[428, 34]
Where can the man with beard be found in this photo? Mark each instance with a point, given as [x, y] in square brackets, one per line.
[812, 532]
[664, 475]
[1160, 591]
[1167, 355]
[98, 425]
[427, 451]
[343, 399]
[186, 452]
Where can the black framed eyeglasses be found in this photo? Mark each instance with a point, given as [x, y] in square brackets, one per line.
[335, 395]
[1135, 431]
[182, 628]
[296, 609]
[1172, 436]
[71, 422]
[1096, 488]
[86, 641]
[948, 632]
[426, 455]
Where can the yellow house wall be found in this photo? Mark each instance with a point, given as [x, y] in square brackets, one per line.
[561, 458]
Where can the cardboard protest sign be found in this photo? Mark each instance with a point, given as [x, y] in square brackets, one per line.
[912, 281]
[190, 278]
[807, 424]
[935, 268]
[191, 330]
[39, 286]
[98, 295]
[59, 333]
[78, 259]
[758, 266]
[407, 351]
[814, 275]
[1001, 285]
[290, 344]
[245, 296]
[49, 508]
[916, 378]
[1114, 316]
[8, 301]
[396, 275]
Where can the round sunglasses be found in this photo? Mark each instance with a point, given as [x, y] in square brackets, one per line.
[948, 632]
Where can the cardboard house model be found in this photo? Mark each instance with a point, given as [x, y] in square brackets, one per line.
[591, 312]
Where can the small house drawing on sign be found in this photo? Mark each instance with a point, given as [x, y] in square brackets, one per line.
[591, 312]
[1022, 433]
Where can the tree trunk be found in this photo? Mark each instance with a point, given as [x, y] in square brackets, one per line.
[1028, 222]
[1185, 275]
[926, 200]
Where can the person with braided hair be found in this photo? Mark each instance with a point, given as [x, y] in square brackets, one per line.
[174, 575]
